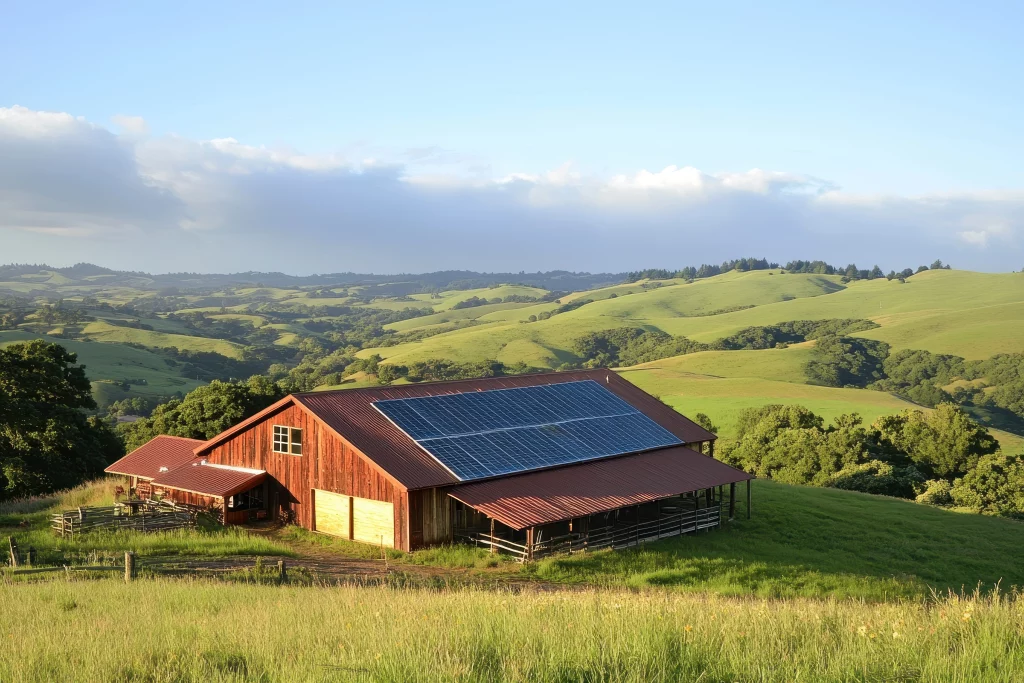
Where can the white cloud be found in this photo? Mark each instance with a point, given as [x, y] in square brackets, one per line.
[131, 125]
[978, 238]
[71, 190]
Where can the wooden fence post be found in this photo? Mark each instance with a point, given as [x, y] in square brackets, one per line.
[732, 500]
[129, 566]
[31, 557]
[282, 571]
[14, 551]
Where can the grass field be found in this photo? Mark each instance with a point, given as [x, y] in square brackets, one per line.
[816, 542]
[205, 631]
[820, 584]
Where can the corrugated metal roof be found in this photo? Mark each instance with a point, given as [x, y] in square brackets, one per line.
[211, 480]
[146, 461]
[533, 498]
[349, 412]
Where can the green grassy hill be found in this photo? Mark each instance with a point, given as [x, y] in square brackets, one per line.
[819, 584]
[819, 542]
[117, 362]
[974, 315]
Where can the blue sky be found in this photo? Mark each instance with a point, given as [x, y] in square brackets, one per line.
[895, 104]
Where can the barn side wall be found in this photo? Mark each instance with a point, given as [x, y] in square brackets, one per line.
[326, 463]
[430, 517]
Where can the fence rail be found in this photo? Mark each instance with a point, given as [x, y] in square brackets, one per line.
[618, 536]
[139, 516]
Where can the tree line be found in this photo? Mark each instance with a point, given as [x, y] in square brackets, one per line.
[808, 267]
[939, 458]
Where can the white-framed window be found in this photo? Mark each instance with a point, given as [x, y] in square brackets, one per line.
[287, 440]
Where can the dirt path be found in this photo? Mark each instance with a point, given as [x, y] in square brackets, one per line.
[332, 566]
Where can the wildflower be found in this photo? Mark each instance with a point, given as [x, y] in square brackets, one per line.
[687, 628]
[862, 630]
[872, 635]
[895, 634]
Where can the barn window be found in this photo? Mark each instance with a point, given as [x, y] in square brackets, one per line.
[287, 440]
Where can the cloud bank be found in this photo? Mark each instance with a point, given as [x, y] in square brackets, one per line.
[73, 190]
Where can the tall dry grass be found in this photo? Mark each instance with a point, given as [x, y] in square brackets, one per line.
[164, 630]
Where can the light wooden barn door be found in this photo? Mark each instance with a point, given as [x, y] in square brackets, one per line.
[358, 519]
[373, 521]
[332, 513]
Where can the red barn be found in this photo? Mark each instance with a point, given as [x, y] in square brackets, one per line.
[419, 464]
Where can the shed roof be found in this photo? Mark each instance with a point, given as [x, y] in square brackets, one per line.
[211, 480]
[533, 498]
[161, 453]
[350, 414]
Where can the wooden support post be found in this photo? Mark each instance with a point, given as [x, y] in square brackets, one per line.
[711, 449]
[31, 557]
[636, 526]
[732, 500]
[129, 566]
[529, 543]
[14, 551]
[748, 499]
[282, 572]
[493, 548]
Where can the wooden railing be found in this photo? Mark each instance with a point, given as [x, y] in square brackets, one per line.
[496, 544]
[618, 536]
[140, 516]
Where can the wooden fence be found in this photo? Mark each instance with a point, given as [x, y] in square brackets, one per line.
[20, 568]
[138, 516]
[616, 536]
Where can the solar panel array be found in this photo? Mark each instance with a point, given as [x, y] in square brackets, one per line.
[503, 431]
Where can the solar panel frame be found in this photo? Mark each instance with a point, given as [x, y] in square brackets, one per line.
[482, 434]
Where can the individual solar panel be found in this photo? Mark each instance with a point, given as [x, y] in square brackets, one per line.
[502, 431]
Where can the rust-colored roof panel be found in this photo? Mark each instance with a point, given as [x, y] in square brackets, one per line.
[161, 454]
[350, 413]
[211, 480]
[533, 498]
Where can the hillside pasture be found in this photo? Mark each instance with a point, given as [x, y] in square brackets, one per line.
[970, 314]
[667, 307]
[804, 541]
[451, 315]
[103, 332]
[723, 398]
[116, 362]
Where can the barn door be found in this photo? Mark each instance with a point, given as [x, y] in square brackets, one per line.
[373, 521]
[357, 519]
[332, 513]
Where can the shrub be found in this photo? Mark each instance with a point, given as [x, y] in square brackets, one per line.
[936, 492]
[879, 478]
[945, 442]
[995, 485]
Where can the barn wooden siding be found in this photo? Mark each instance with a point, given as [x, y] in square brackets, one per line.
[326, 463]
[430, 517]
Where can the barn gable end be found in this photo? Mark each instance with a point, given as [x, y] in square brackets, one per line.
[327, 463]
